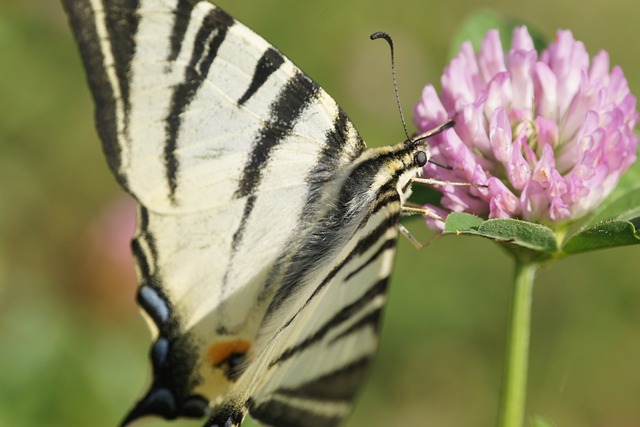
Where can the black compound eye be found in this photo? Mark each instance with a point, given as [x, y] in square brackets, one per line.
[420, 158]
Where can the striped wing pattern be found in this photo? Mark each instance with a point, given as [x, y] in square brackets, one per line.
[266, 230]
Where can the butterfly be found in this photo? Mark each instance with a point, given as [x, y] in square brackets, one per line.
[266, 229]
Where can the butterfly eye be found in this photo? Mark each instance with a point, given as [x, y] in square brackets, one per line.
[420, 158]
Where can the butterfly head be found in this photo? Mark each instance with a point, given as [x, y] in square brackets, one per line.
[410, 165]
[416, 156]
[420, 143]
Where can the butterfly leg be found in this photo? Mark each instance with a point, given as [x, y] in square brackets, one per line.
[430, 181]
[409, 236]
[412, 209]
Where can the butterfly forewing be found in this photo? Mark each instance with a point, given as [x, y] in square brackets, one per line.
[265, 232]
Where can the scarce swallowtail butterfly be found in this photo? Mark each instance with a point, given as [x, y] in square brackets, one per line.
[266, 229]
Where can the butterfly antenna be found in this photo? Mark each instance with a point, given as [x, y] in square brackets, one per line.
[440, 165]
[387, 37]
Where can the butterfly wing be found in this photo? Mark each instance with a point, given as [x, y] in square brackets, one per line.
[319, 355]
[320, 330]
[231, 152]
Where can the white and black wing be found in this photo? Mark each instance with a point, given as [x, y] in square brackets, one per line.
[265, 232]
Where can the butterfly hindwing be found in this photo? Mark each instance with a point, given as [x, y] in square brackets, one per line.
[319, 355]
[266, 230]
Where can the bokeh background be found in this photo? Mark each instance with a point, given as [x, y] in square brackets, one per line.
[73, 348]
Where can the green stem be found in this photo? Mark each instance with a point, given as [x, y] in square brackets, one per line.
[514, 383]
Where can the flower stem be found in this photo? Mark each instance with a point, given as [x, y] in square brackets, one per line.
[514, 383]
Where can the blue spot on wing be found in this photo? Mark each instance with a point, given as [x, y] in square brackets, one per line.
[154, 304]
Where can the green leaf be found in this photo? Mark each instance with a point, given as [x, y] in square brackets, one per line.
[465, 223]
[475, 27]
[524, 234]
[607, 234]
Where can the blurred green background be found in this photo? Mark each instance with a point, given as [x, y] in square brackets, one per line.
[73, 348]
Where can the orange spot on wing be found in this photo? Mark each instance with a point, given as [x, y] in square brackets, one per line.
[218, 353]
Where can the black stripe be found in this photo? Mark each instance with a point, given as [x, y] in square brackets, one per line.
[406, 186]
[235, 242]
[371, 319]
[270, 61]
[141, 257]
[121, 22]
[143, 218]
[237, 236]
[389, 244]
[207, 42]
[361, 247]
[385, 198]
[341, 384]
[275, 413]
[338, 136]
[338, 319]
[180, 24]
[150, 296]
[297, 94]
[331, 156]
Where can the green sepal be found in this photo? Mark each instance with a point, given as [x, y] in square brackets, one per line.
[615, 223]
